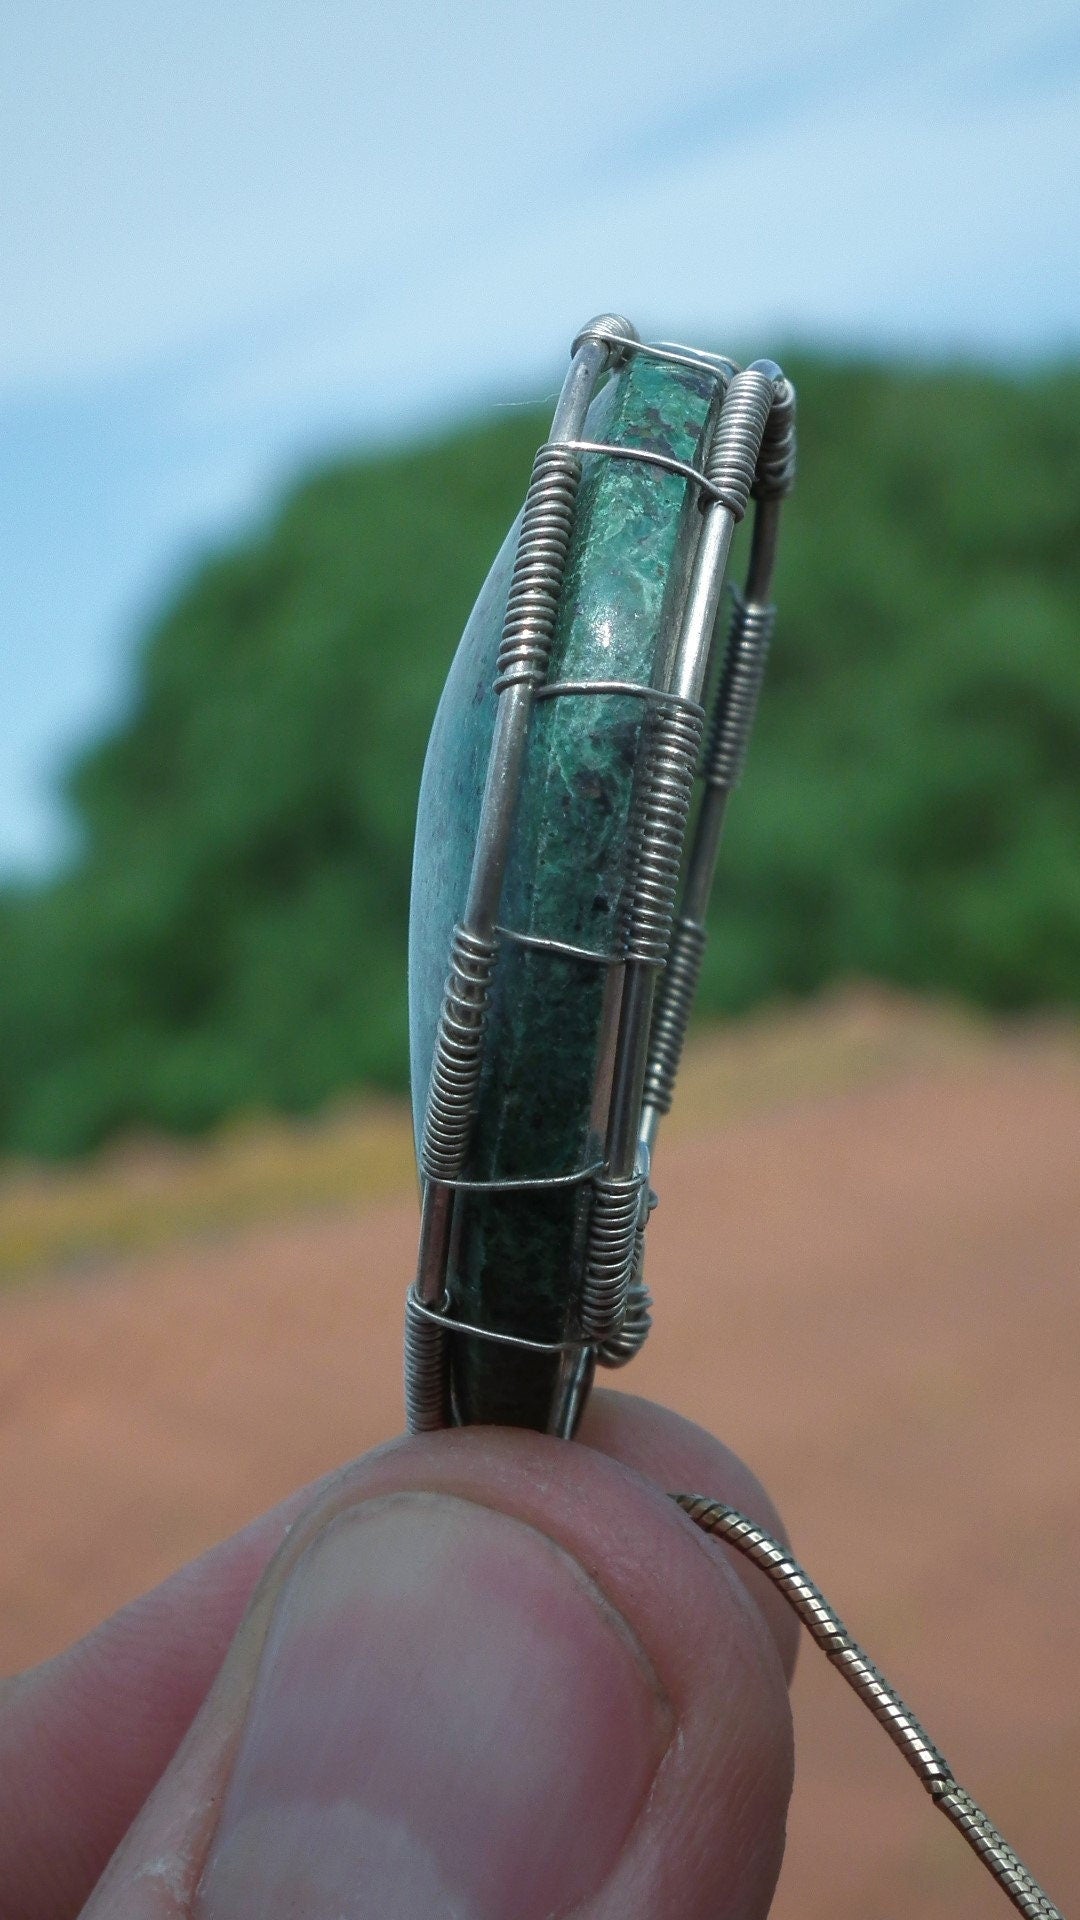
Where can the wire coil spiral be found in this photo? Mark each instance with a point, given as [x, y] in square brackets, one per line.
[775, 474]
[672, 1013]
[628, 1338]
[609, 1256]
[831, 1635]
[658, 829]
[745, 660]
[427, 1398]
[459, 1043]
[733, 457]
[536, 583]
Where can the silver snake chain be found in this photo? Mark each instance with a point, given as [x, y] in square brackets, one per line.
[828, 1630]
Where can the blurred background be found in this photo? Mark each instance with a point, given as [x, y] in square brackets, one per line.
[288, 291]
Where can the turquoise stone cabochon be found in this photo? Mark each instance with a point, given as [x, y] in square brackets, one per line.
[516, 1258]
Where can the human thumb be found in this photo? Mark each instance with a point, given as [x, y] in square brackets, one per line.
[484, 1690]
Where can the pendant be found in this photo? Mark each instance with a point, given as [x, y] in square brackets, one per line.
[570, 817]
[550, 975]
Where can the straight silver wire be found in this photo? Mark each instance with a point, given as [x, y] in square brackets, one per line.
[558, 949]
[577, 1373]
[666, 462]
[528, 1183]
[437, 1317]
[754, 451]
[528, 624]
[673, 352]
[501, 788]
[589, 359]
[655, 696]
[831, 1635]
[735, 712]
[702, 602]
[684, 690]
[612, 1270]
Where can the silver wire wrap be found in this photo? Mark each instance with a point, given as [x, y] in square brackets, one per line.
[732, 462]
[671, 351]
[523, 1183]
[609, 1260]
[672, 741]
[752, 451]
[745, 659]
[559, 949]
[665, 462]
[655, 696]
[536, 583]
[754, 457]
[775, 474]
[831, 1635]
[445, 1322]
[459, 1049]
[427, 1380]
[671, 1016]
[628, 1338]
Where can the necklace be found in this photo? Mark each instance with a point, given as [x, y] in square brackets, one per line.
[560, 887]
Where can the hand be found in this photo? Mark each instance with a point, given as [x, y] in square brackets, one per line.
[476, 1676]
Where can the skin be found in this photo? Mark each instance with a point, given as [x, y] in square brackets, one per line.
[127, 1763]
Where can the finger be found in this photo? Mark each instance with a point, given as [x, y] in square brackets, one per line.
[84, 1738]
[683, 1458]
[490, 1676]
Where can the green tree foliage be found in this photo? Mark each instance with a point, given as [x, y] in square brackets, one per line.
[232, 933]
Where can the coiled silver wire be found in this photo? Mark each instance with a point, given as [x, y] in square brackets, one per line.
[831, 1635]
[628, 1338]
[745, 659]
[750, 630]
[741, 679]
[733, 457]
[671, 1016]
[658, 829]
[536, 583]
[427, 1398]
[609, 1257]
[775, 474]
[459, 1043]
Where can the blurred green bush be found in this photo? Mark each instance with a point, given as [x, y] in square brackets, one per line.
[232, 932]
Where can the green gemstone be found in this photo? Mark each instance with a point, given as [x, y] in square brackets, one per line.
[517, 1258]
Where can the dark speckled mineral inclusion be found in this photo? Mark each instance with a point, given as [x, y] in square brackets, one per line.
[516, 1261]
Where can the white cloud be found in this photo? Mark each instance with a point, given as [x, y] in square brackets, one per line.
[238, 234]
[167, 174]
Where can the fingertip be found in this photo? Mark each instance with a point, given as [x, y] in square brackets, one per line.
[679, 1457]
[401, 1625]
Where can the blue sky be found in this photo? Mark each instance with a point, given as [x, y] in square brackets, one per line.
[242, 233]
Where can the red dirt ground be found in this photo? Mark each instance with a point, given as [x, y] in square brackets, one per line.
[870, 1294]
